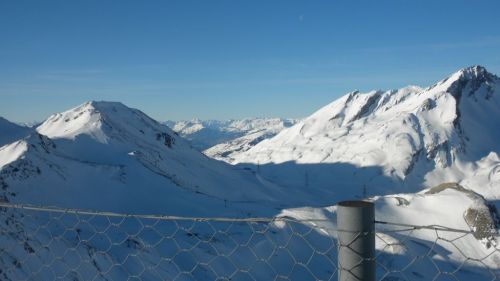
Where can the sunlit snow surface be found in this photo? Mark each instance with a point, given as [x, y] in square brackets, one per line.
[389, 146]
[104, 155]
[393, 141]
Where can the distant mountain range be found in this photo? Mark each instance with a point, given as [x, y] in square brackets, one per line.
[223, 140]
[423, 155]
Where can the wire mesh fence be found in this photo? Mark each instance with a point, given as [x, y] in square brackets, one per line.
[60, 244]
[53, 244]
[408, 252]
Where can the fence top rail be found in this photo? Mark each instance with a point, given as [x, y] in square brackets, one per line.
[410, 227]
[50, 209]
[155, 217]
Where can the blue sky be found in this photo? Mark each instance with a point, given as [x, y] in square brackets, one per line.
[231, 59]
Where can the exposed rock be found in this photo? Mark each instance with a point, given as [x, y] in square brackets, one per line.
[480, 217]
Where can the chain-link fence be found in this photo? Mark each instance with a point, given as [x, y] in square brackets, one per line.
[60, 244]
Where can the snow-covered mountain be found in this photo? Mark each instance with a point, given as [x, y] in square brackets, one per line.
[435, 149]
[104, 155]
[393, 141]
[228, 136]
[410, 150]
[10, 132]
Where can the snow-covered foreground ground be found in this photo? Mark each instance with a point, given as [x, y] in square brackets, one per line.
[299, 244]
[396, 147]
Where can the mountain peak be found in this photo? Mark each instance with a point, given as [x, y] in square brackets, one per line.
[100, 120]
[475, 71]
[104, 104]
[476, 74]
[101, 107]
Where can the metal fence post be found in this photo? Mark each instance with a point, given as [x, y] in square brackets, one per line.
[356, 238]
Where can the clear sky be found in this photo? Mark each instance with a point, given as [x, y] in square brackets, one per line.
[231, 59]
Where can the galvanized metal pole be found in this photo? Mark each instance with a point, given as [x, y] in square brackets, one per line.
[356, 238]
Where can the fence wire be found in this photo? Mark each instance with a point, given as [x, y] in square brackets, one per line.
[39, 243]
[55, 244]
[409, 252]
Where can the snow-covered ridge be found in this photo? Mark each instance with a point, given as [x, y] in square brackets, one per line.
[102, 121]
[104, 155]
[385, 145]
[415, 137]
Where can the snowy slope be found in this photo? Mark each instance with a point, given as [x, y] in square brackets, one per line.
[399, 140]
[10, 132]
[104, 155]
[422, 254]
[232, 135]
